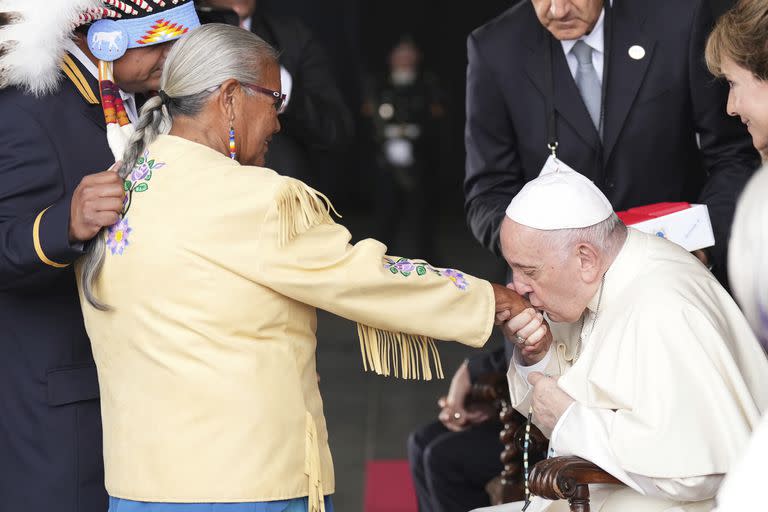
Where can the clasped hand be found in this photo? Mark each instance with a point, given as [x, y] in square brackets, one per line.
[96, 203]
[522, 324]
[549, 402]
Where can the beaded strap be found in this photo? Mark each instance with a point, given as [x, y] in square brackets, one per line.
[526, 444]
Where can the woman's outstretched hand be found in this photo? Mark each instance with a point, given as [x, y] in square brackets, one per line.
[521, 323]
[508, 303]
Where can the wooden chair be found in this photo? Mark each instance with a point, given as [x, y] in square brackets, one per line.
[509, 485]
[568, 478]
[558, 478]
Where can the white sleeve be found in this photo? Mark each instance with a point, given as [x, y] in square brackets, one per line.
[568, 439]
[517, 378]
[525, 371]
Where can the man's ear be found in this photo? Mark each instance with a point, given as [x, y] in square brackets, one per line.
[589, 262]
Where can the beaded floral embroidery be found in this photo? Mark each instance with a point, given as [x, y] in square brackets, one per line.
[117, 236]
[137, 181]
[406, 267]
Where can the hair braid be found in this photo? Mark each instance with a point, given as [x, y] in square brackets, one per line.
[151, 122]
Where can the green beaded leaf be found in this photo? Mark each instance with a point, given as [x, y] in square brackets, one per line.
[140, 160]
[393, 270]
[406, 274]
[127, 185]
[148, 176]
[151, 163]
[141, 187]
[420, 270]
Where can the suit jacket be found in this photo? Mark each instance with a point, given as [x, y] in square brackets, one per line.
[316, 121]
[654, 109]
[50, 427]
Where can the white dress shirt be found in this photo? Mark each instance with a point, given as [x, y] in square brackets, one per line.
[594, 40]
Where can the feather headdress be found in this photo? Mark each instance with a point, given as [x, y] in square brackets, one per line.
[32, 38]
[34, 33]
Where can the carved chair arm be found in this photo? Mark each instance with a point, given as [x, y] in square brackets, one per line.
[562, 478]
[490, 389]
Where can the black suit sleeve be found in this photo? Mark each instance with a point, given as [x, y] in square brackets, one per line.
[316, 112]
[494, 173]
[496, 361]
[34, 211]
[728, 155]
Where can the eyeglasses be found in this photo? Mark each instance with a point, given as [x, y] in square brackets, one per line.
[279, 98]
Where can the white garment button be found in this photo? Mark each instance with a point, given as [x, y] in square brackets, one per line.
[637, 52]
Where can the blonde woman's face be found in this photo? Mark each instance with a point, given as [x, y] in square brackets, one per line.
[748, 99]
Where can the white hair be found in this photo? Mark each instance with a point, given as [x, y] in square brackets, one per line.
[606, 236]
[748, 253]
[195, 67]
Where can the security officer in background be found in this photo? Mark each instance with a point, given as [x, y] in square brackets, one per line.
[407, 118]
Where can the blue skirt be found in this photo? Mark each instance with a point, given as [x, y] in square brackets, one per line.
[294, 505]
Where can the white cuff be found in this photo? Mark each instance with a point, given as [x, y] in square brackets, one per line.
[525, 371]
[556, 430]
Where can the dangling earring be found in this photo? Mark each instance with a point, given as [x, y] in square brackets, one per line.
[232, 152]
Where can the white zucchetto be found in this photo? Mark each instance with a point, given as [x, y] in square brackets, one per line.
[560, 198]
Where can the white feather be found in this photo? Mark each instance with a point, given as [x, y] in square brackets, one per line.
[35, 42]
[117, 138]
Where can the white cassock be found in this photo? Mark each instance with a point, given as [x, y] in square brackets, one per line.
[669, 384]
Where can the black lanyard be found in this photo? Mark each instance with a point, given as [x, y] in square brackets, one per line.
[549, 96]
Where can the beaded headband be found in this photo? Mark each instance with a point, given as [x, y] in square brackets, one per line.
[137, 24]
[122, 25]
[34, 36]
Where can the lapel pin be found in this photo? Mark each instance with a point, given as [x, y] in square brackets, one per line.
[637, 52]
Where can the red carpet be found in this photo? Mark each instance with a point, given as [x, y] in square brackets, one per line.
[388, 487]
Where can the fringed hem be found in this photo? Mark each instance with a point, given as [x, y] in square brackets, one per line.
[300, 208]
[407, 355]
[316, 496]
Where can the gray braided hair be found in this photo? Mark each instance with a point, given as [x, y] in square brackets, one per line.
[194, 69]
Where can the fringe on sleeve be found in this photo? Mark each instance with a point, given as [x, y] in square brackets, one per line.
[300, 208]
[404, 355]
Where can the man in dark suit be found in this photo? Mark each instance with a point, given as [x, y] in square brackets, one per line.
[316, 123]
[50, 206]
[635, 110]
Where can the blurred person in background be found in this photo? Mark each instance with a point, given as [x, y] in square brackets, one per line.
[407, 113]
[316, 123]
[736, 50]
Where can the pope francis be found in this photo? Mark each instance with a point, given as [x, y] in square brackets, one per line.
[653, 375]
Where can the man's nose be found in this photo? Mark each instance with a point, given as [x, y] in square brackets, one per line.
[522, 288]
[558, 9]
